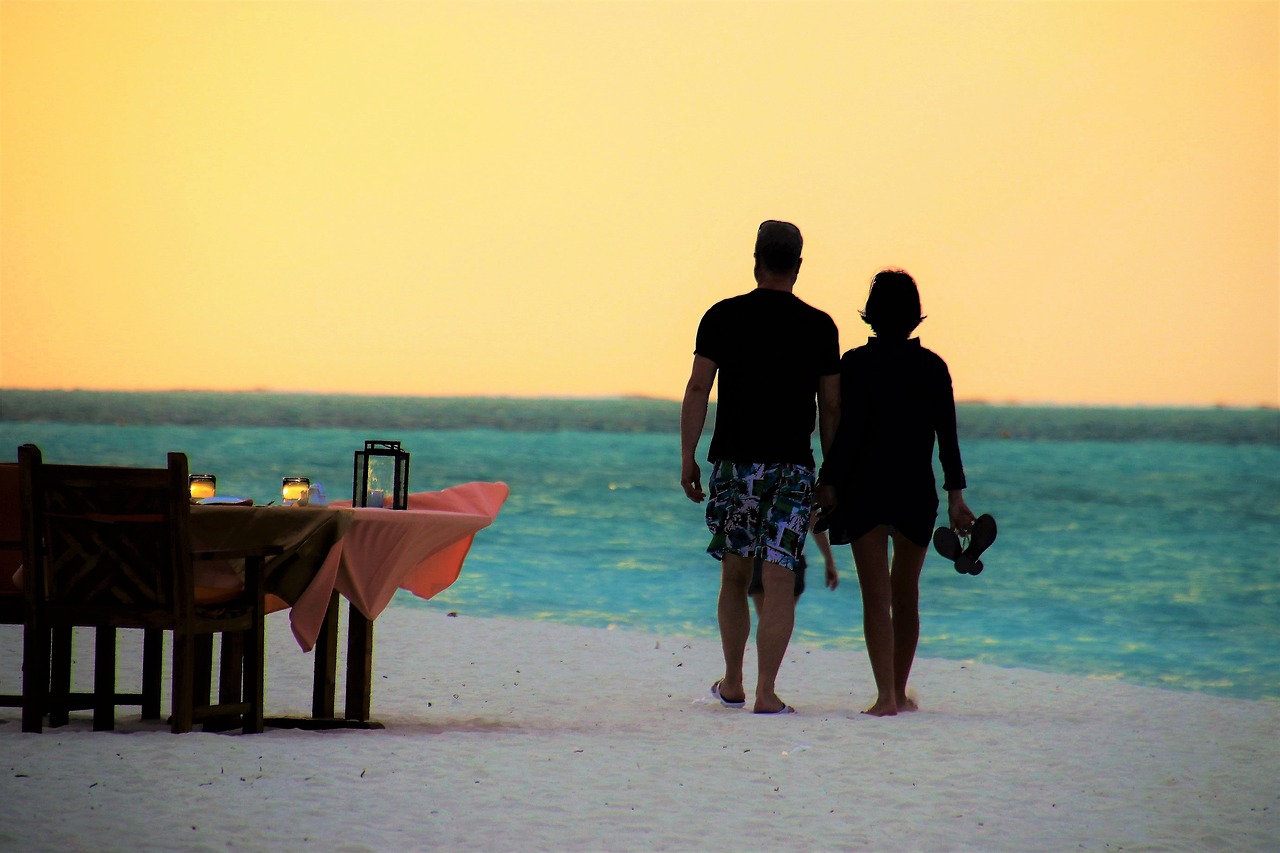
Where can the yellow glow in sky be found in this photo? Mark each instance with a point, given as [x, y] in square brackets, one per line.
[542, 198]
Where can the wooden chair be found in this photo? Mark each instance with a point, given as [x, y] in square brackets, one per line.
[13, 612]
[109, 548]
[11, 608]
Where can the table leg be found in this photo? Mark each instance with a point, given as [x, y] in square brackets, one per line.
[325, 682]
[359, 664]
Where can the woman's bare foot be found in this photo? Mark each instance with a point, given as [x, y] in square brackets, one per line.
[882, 708]
[908, 703]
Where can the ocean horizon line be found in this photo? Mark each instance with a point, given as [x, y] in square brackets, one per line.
[622, 414]
[620, 397]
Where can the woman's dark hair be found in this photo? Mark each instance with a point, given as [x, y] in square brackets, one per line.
[893, 305]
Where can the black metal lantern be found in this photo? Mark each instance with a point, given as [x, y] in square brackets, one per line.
[381, 471]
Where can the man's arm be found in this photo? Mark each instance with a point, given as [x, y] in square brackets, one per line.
[824, 495]
[828, 559]
[828, 410]
[693, 416]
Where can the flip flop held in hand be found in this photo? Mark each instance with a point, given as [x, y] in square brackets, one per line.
[964, 553]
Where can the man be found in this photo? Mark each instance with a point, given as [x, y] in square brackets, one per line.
[831, 575]
[773, 354]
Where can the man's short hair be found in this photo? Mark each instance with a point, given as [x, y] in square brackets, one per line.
[778, 245]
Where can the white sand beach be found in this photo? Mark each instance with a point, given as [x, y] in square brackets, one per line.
[508, 735]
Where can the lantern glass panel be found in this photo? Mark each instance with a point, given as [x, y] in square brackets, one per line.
[380, 476]
[381, 472]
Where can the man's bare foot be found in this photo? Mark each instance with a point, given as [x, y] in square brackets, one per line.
[718, 691]
[769, 704]
[785, 709]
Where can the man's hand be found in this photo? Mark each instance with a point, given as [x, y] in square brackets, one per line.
[824, 499]
[691, 481]
[823, 542]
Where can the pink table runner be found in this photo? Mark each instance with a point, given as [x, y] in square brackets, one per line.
[420, 549]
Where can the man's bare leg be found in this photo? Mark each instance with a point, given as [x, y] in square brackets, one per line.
[908, 560]
[735, 623]
[871, 557]
[773, 634]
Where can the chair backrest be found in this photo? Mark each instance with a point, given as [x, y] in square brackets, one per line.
[10, 527]
[107, 543]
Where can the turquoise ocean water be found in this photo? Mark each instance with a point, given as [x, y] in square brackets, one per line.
[1135, 544]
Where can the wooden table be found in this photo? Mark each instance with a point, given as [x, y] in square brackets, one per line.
[362, 554]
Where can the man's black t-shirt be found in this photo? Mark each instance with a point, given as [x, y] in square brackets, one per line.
[769, 347]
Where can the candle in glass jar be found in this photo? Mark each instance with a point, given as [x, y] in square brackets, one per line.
[202, 486]
[294, 488]
[377, 497]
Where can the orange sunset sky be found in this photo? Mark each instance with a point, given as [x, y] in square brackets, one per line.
[541, 198]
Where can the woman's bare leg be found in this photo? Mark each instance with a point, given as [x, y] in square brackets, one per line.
[871, 557]
[908, 559]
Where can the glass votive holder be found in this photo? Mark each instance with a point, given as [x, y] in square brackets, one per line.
[202, 486]
[294, 489]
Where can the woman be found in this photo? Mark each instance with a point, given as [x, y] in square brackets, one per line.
[895, 397]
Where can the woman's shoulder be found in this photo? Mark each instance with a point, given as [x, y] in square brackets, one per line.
[927, 354]
[934, 365]
[895, 350]
[863, 349]
[908, 356]
[853, 357]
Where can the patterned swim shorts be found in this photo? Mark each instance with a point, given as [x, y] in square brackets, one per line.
[760, 510]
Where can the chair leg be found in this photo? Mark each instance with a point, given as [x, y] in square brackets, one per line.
[35, 675]
[104, 679]
[60, 677]
[230, 675]
[184, 654]
[231, 668]
[152, 672]
[203, 670]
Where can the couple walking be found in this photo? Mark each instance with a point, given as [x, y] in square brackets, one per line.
[878, 409]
